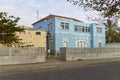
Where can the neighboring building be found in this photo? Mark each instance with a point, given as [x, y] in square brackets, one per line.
[32, 38]
[70, 32]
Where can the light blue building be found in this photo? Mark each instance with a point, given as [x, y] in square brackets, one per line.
[70, 32]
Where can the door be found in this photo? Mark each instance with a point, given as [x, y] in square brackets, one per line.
[100, 44]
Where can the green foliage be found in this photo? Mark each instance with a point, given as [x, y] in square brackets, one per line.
[112, 36]
[8, 29]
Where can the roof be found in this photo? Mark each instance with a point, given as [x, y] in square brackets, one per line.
[51, 16]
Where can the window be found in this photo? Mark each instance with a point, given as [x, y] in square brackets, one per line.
[83, 29]
[99, 30]
[78, 28]
[38, 33]
[64, 25]
[50, 27]
[87, 29]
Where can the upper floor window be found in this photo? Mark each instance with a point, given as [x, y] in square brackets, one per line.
[64, 25]
[99, 30]
[87, 29]
[50, 27]
[38, 33]
[82, 28]
[78, 28]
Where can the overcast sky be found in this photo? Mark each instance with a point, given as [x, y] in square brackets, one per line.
[27, 9]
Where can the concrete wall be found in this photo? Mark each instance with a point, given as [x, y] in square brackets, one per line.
[69, 54]
[21, 55]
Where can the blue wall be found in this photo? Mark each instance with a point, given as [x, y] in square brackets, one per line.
[70, 36]
[97, 37]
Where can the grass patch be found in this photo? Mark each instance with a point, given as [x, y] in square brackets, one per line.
[54, 57]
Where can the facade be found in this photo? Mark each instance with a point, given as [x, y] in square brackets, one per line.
[70, 32]
[32, 38]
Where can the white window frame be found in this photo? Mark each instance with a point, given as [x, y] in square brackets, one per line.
[64, 25]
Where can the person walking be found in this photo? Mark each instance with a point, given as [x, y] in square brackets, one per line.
[48, 52]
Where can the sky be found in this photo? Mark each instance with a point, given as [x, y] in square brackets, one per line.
[27, 10]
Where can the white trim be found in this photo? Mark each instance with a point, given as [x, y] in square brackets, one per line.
[81, 43]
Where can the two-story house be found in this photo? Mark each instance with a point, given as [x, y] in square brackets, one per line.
[70, 32]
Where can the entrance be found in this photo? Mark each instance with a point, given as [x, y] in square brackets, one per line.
[100, 44]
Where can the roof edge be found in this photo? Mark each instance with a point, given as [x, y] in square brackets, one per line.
[52, 15]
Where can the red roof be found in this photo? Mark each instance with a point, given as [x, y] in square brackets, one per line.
[51, 16]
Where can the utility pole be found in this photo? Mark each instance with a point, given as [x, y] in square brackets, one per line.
[37, 15]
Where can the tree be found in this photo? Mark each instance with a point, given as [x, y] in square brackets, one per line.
[110, 23]
[8, 29]
[107, 8]
[112, 36]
